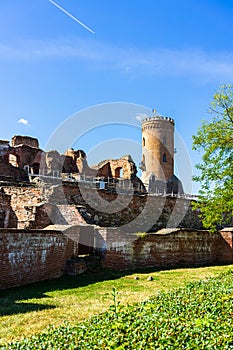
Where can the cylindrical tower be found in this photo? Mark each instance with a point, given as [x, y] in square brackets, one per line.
[158, 147]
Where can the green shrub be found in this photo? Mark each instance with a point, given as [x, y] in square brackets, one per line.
[199, 316]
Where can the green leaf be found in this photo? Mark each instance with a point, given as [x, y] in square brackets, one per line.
[215, 139]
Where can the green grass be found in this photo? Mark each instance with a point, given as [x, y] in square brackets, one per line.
[31, 309]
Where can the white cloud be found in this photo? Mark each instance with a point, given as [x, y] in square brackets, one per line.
[166, 62]
[23, 121]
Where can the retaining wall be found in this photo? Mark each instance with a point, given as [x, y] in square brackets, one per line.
[34, 255]
[39, 206]
[28, 256]
[166, 248]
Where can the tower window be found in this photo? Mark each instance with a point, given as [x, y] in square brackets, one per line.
[143, 142]
[164, 140]
[164, 158]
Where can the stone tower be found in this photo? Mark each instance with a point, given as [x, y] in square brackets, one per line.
[158, 147]
[158, 155]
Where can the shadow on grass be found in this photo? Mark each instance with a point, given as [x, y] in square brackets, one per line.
[14, 300]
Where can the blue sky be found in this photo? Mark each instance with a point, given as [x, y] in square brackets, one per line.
[166, 54]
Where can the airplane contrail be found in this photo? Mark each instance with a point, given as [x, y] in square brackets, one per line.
[71, 16]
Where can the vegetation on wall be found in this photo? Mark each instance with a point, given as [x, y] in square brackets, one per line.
[215, 139]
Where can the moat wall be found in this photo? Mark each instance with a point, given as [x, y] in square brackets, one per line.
[167, 248]
[34, 255]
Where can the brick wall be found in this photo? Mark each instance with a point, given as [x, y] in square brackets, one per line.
[28, 256]
[11, 173]
[135, 212]
[7, 215]
[166, 248]
[26, 140]
[24, 202]
[38, 207]
[32, 255]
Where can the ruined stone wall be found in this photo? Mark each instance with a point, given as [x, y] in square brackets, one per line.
[10, 173]
[24, 140]
[27, 155]
[32, 255]
[113, 167]
[24, 202]
[38, 207]
[139, 212]
[166, 248]
[7, 215]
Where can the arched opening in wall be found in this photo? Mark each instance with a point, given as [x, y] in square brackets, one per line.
[165, 140]
[143, 142]
[13, 160]
[36, 168]
[164, 158]
[118, 172]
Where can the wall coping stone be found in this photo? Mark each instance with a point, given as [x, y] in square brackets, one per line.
[63, 228]
[227, 229]
[58, 227]
[168, 231]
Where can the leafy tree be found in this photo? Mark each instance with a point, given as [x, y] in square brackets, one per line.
[215, 139]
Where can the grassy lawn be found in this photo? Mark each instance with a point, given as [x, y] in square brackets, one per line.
[29, 310]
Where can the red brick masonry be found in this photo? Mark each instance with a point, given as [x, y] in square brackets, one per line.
[33, 255]
[167, 248]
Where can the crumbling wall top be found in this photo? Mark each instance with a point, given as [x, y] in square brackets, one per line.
[24, 140]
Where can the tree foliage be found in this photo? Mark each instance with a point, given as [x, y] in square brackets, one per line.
[215, 139]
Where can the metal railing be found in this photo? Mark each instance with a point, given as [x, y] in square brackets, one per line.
[109, 183]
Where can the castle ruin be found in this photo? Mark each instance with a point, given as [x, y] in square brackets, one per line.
[57, 205]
